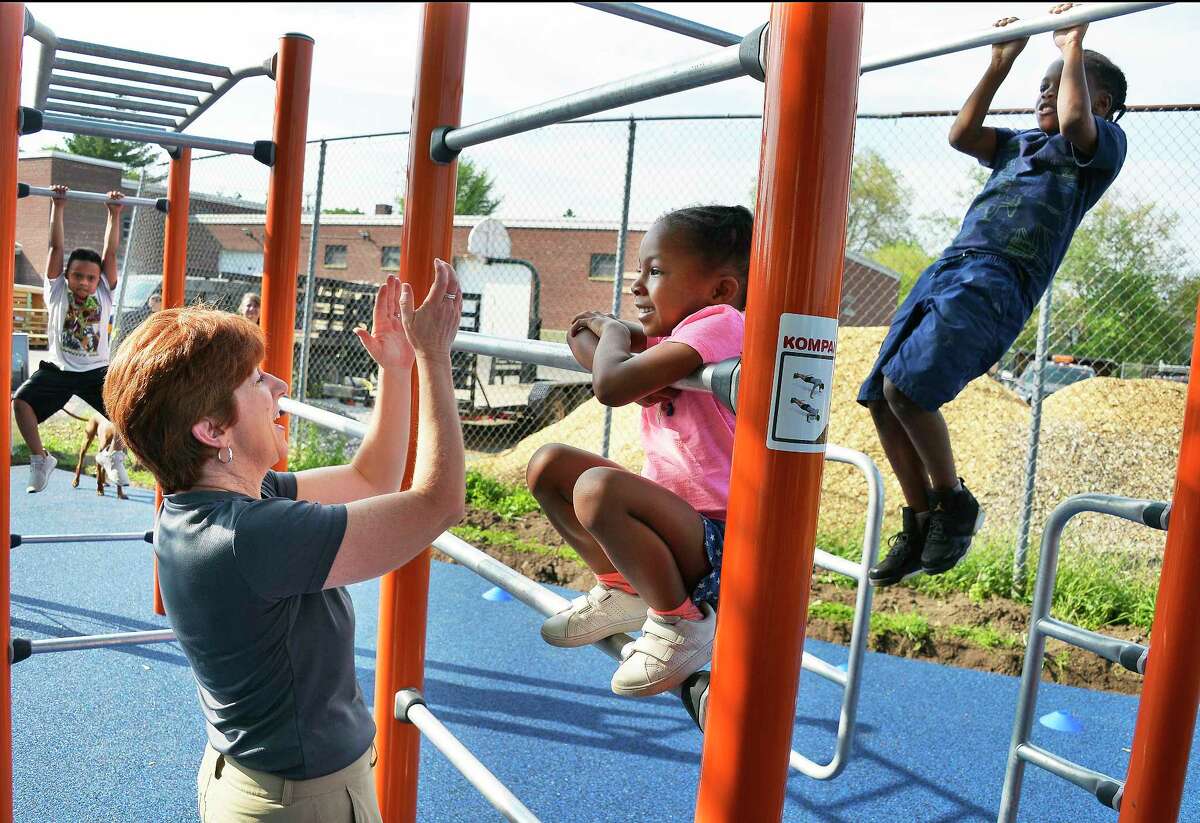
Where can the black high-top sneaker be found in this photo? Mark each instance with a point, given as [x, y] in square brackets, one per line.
[954, 518]
[904, 558]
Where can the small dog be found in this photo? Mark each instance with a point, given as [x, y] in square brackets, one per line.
[110, 441]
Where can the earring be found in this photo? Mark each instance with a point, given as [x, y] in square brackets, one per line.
[225, 462]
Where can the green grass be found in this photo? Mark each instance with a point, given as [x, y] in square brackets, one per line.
[1092, 590]
[833, 612]
[507, 540]
[311, 447]
[909, 625]
[509, 502]
[987, 637]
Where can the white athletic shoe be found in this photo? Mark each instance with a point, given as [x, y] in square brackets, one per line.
[600, 613]
[116, 467]
[39, 471]
[669, 650]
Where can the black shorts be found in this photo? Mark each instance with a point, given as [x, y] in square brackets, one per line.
[49, 389]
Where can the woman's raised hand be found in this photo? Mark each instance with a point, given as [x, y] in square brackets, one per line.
[432, 326]
[387, 342]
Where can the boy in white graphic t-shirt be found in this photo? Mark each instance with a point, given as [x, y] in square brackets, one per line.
[78, 307]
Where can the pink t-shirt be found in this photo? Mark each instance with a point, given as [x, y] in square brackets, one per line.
[690, 452]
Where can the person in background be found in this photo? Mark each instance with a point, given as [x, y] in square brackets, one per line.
[251, 307]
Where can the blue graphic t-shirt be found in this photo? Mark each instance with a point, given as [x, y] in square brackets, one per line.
[1038, 193]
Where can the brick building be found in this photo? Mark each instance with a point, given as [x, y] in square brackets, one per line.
[83, 223]
[575, 259]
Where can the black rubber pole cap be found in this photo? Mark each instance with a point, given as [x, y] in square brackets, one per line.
[264, 152]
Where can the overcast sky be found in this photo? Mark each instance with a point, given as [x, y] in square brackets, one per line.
[520, 54]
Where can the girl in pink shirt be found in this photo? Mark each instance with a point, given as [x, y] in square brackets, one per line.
[654, 540]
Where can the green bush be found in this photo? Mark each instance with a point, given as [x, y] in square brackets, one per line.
[487, 493]
[312, 447]
[833, 612]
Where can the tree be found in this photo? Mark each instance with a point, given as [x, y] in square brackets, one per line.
[336, 210]
[879, 210]
[473, 191]
[1120, 292]
[569, 213]
[133, 156]
[907, 259]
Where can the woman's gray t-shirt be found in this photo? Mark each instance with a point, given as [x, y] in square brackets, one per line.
[272, 652]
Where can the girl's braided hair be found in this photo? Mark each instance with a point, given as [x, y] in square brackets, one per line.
[721, 236]
[1109, 78]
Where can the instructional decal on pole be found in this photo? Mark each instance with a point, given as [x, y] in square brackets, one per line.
[803, 384]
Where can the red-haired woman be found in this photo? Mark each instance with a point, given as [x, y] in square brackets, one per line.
[253, 562]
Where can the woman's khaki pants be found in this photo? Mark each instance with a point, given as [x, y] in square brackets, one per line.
[231, 793]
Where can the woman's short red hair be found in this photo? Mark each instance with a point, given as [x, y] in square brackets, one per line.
[177, 368]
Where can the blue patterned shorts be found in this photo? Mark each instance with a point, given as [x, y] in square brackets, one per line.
[709, 587]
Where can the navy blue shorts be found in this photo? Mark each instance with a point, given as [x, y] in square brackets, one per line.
[958, 321]
[709, 587]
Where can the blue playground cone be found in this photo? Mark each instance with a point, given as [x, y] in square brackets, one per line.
[1062, 721]
[497, 595]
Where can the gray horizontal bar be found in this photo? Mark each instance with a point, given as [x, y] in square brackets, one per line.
[546, 603]
[144, 58]
[535, 596]
[553, 355]
[1092, 782]
[477, 774]
[1121, 652]
[110, 114]
[121, 88]
[703, 71]
[322, 417]
[115, 102]
[100, 641]
[823, 669]
[80, 125]
[662, 20]
[840, 565]
[102, 70]
[1023, 28]
[119, 537]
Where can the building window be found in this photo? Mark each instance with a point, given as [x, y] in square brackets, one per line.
[389, 258]
[335, 257]
[126, 225]
[603, 266]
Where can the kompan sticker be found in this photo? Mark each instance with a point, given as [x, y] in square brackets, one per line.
[803, 384]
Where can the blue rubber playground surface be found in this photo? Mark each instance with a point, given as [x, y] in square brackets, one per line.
[116, 735]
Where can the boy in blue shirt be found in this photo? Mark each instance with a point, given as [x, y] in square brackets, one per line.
[968, 307]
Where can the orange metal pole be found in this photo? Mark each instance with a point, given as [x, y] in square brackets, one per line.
[175, 246]
[12, 33]
[175, 241]
[427, 233]
[281, 247]
[1162, 740]
[795, 286]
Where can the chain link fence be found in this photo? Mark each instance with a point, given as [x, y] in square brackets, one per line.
[575, 200]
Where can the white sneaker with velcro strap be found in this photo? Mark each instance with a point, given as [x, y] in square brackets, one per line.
[600, 613]
[669, 650]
